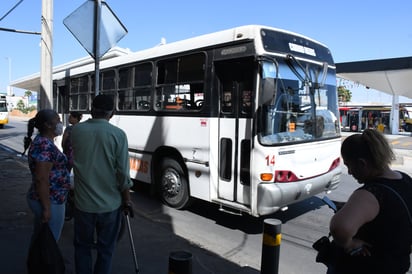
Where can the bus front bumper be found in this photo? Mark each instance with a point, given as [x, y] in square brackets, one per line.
[273, 196]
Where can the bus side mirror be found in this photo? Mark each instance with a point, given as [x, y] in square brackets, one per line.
[268, 91]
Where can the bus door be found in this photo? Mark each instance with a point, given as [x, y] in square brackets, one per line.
[235, 129]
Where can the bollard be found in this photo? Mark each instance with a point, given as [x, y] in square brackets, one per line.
[271, 246]
[180, 262]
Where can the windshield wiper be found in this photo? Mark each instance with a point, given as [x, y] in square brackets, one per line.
[291, 61]
[306, 77]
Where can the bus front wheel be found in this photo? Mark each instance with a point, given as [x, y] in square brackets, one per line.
[173, 184]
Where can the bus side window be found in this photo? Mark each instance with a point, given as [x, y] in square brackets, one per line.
[79, 92]
[227, 100]
[246, 101]
[180, 81]
[125, 99]
[225, 164]
[134, 87]
[142, 86]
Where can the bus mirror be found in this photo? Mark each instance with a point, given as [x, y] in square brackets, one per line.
[268, 91]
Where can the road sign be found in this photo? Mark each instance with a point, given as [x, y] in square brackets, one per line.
[81, 24]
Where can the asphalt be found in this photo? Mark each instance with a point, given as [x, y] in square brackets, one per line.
[155, 245]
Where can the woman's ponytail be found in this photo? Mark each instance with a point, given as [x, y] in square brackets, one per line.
[30, 130]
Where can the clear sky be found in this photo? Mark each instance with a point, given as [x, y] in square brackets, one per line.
[354, 30]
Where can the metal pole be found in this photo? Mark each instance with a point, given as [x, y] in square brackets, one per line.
[180, 262]
[46, 67]
[96, 46]
[395, 114]
[271, 246]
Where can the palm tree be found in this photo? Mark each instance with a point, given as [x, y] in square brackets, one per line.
[27, 94]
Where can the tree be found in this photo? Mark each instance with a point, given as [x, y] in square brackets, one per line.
[23, 108]
[20, 106]
[344, 94]
[27, 93]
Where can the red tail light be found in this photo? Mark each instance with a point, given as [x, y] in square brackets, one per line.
[334, 164]
[285, 176]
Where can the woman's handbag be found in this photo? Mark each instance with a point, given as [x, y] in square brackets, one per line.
[335, 258]
[340, 262]
[44, 254]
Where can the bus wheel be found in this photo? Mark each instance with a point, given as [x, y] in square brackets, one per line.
[173, 185]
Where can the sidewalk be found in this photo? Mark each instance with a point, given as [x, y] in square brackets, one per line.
[153, 243]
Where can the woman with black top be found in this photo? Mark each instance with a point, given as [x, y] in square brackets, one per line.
[374, 226]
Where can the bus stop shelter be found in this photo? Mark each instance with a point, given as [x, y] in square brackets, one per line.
[392, 76]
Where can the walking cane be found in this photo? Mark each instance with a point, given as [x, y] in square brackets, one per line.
[136, 266]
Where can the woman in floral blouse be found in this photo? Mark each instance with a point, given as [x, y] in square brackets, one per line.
[50, 175]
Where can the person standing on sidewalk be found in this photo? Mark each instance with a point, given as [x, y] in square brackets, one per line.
[101, 187]
[74, 118]
[50, 177]
[374, 227]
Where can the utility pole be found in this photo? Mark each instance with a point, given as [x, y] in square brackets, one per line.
[46, 64]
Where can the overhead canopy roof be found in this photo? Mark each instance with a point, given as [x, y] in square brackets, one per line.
[32, 82]
[393, 76]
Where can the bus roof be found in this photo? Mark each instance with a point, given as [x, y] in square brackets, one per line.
[118, 56]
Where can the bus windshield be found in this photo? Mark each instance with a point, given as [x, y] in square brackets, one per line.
[301, 108]
[3, 106]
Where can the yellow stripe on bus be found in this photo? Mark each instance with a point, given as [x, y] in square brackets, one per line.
[272, 241]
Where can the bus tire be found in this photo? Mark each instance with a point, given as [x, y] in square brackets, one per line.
[173, 185]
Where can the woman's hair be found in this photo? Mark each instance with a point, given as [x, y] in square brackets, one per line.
[76, 115]
[39, 121]
[371, 145]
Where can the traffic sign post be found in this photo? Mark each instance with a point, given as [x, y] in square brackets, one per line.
[106, 28]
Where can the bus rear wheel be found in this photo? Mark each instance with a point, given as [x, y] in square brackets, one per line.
[173, 184]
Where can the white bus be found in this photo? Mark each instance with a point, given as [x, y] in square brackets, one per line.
[4, 112]
[245, 118]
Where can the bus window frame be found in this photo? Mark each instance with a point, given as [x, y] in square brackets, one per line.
[136, 88]
[168, 89]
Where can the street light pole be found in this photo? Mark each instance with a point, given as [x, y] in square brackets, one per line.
[9, 88]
